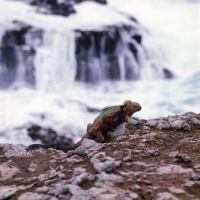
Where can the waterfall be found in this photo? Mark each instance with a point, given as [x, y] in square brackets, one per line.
[16, 59]
[117, 54]
[55, 61]
[51, 60]
[104, 55]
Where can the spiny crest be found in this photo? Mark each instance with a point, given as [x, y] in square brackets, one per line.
[106, 112]
[126, 102]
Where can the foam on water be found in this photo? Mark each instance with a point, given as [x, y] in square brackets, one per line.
[78, 21]
[67, 114]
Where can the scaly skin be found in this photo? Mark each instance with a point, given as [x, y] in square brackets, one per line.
[107, 121]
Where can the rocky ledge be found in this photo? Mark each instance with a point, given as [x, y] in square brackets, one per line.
[158, 159]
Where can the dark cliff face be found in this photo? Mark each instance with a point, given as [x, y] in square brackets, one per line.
[48, 136]
[97, 1]
[56, 7]
[98, 55]
[16, 57]
[107, 55]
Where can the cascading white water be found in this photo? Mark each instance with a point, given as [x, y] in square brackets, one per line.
[55, 61]
[118, 56]
[111, 54]
[21, 69]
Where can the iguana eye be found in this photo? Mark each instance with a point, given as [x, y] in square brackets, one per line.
[137, 107]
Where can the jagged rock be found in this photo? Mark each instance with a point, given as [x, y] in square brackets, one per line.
[150, 153]
[102, 163]
[58, 189]
[86, 144]
[176, 190]
[189, 183]
[173, 154]
[14, 49]
[183, 158]
[8, 170]
[42, 189]
[82, 177]
[104, 177]
[162, 124]
[145, 129]
[89, 64]
[119, 131]
[98, 1]
[166, 196]
[183, 122]
[63, 7]
[195, 177]
[197, 166]
[163, 163]
[7, 191]
[176, 169]
[31, 196]
[10, 150]
[127, 159]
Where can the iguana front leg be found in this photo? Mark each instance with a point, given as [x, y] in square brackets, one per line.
[88, 126]
[99, 137]
[132, 121]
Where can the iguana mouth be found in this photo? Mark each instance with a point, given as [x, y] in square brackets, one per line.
[139, 108]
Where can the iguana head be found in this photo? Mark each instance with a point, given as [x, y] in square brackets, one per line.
[131, 107]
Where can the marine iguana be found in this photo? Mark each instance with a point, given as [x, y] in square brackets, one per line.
[107, 121]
